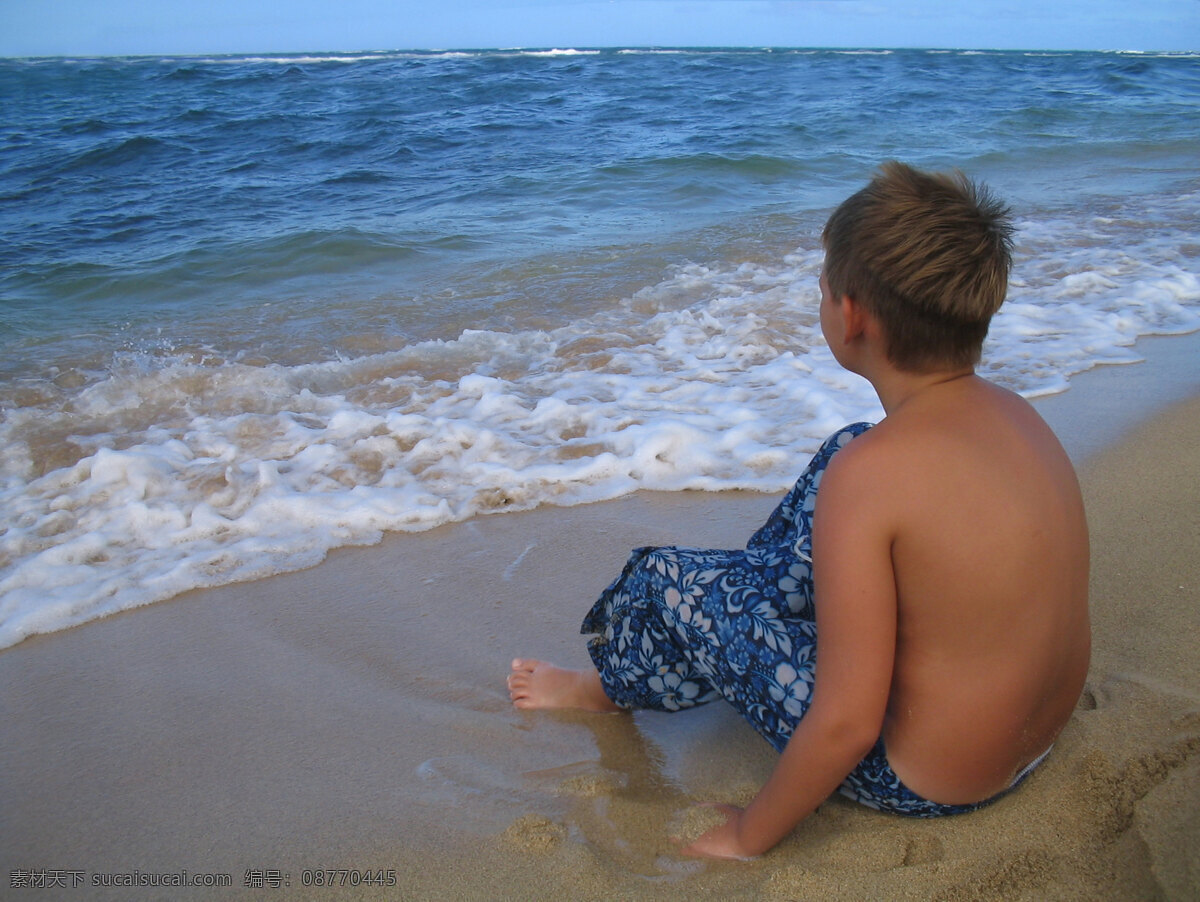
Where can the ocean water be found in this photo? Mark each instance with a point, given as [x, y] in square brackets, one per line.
[254, 308]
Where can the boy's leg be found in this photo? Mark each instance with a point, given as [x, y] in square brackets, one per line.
[790, 524]
[681, 627]
[684, 626]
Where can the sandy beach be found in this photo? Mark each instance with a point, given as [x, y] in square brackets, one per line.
[351, 720]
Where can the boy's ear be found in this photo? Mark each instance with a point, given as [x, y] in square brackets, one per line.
[854, 318]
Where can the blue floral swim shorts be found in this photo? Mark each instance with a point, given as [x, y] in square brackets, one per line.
[683, 626]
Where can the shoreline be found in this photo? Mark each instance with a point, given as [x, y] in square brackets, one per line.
[1108, 401]
[354, 715]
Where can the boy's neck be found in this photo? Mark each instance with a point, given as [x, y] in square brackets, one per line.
[896, 388]
[860, 346]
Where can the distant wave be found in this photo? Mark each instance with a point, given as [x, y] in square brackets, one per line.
[558, 52]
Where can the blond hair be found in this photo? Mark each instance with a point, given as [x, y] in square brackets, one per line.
[928, 255]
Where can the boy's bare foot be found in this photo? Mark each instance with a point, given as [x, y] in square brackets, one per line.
[536, 684]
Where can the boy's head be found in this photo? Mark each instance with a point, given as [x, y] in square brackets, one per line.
[927, 254]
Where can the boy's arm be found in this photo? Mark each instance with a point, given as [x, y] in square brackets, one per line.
[856, 626]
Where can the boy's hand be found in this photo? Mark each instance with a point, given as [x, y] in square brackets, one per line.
[721, 841]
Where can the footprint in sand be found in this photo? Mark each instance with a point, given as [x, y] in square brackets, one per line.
[535, 833]
[460, 777]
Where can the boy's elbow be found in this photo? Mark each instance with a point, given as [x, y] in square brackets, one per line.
[855, 736]
[858, 740]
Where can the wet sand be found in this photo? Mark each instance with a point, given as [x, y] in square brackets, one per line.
[354, 716]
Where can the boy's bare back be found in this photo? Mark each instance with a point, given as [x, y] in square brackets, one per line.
[989, 552]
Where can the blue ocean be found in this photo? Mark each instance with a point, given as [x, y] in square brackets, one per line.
[255, 308]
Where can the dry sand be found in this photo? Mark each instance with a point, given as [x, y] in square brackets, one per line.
[354, 716]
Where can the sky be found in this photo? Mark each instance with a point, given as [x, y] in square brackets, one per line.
[136, 27]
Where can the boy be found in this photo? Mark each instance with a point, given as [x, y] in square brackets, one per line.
[943, 563]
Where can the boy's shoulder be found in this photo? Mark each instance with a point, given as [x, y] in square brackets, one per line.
[969, 410]
[974, 434]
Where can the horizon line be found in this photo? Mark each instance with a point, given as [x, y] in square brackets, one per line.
[582, 49]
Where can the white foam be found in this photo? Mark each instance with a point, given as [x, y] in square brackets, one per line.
[186, 475]
[568, 51]
[298, 60]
